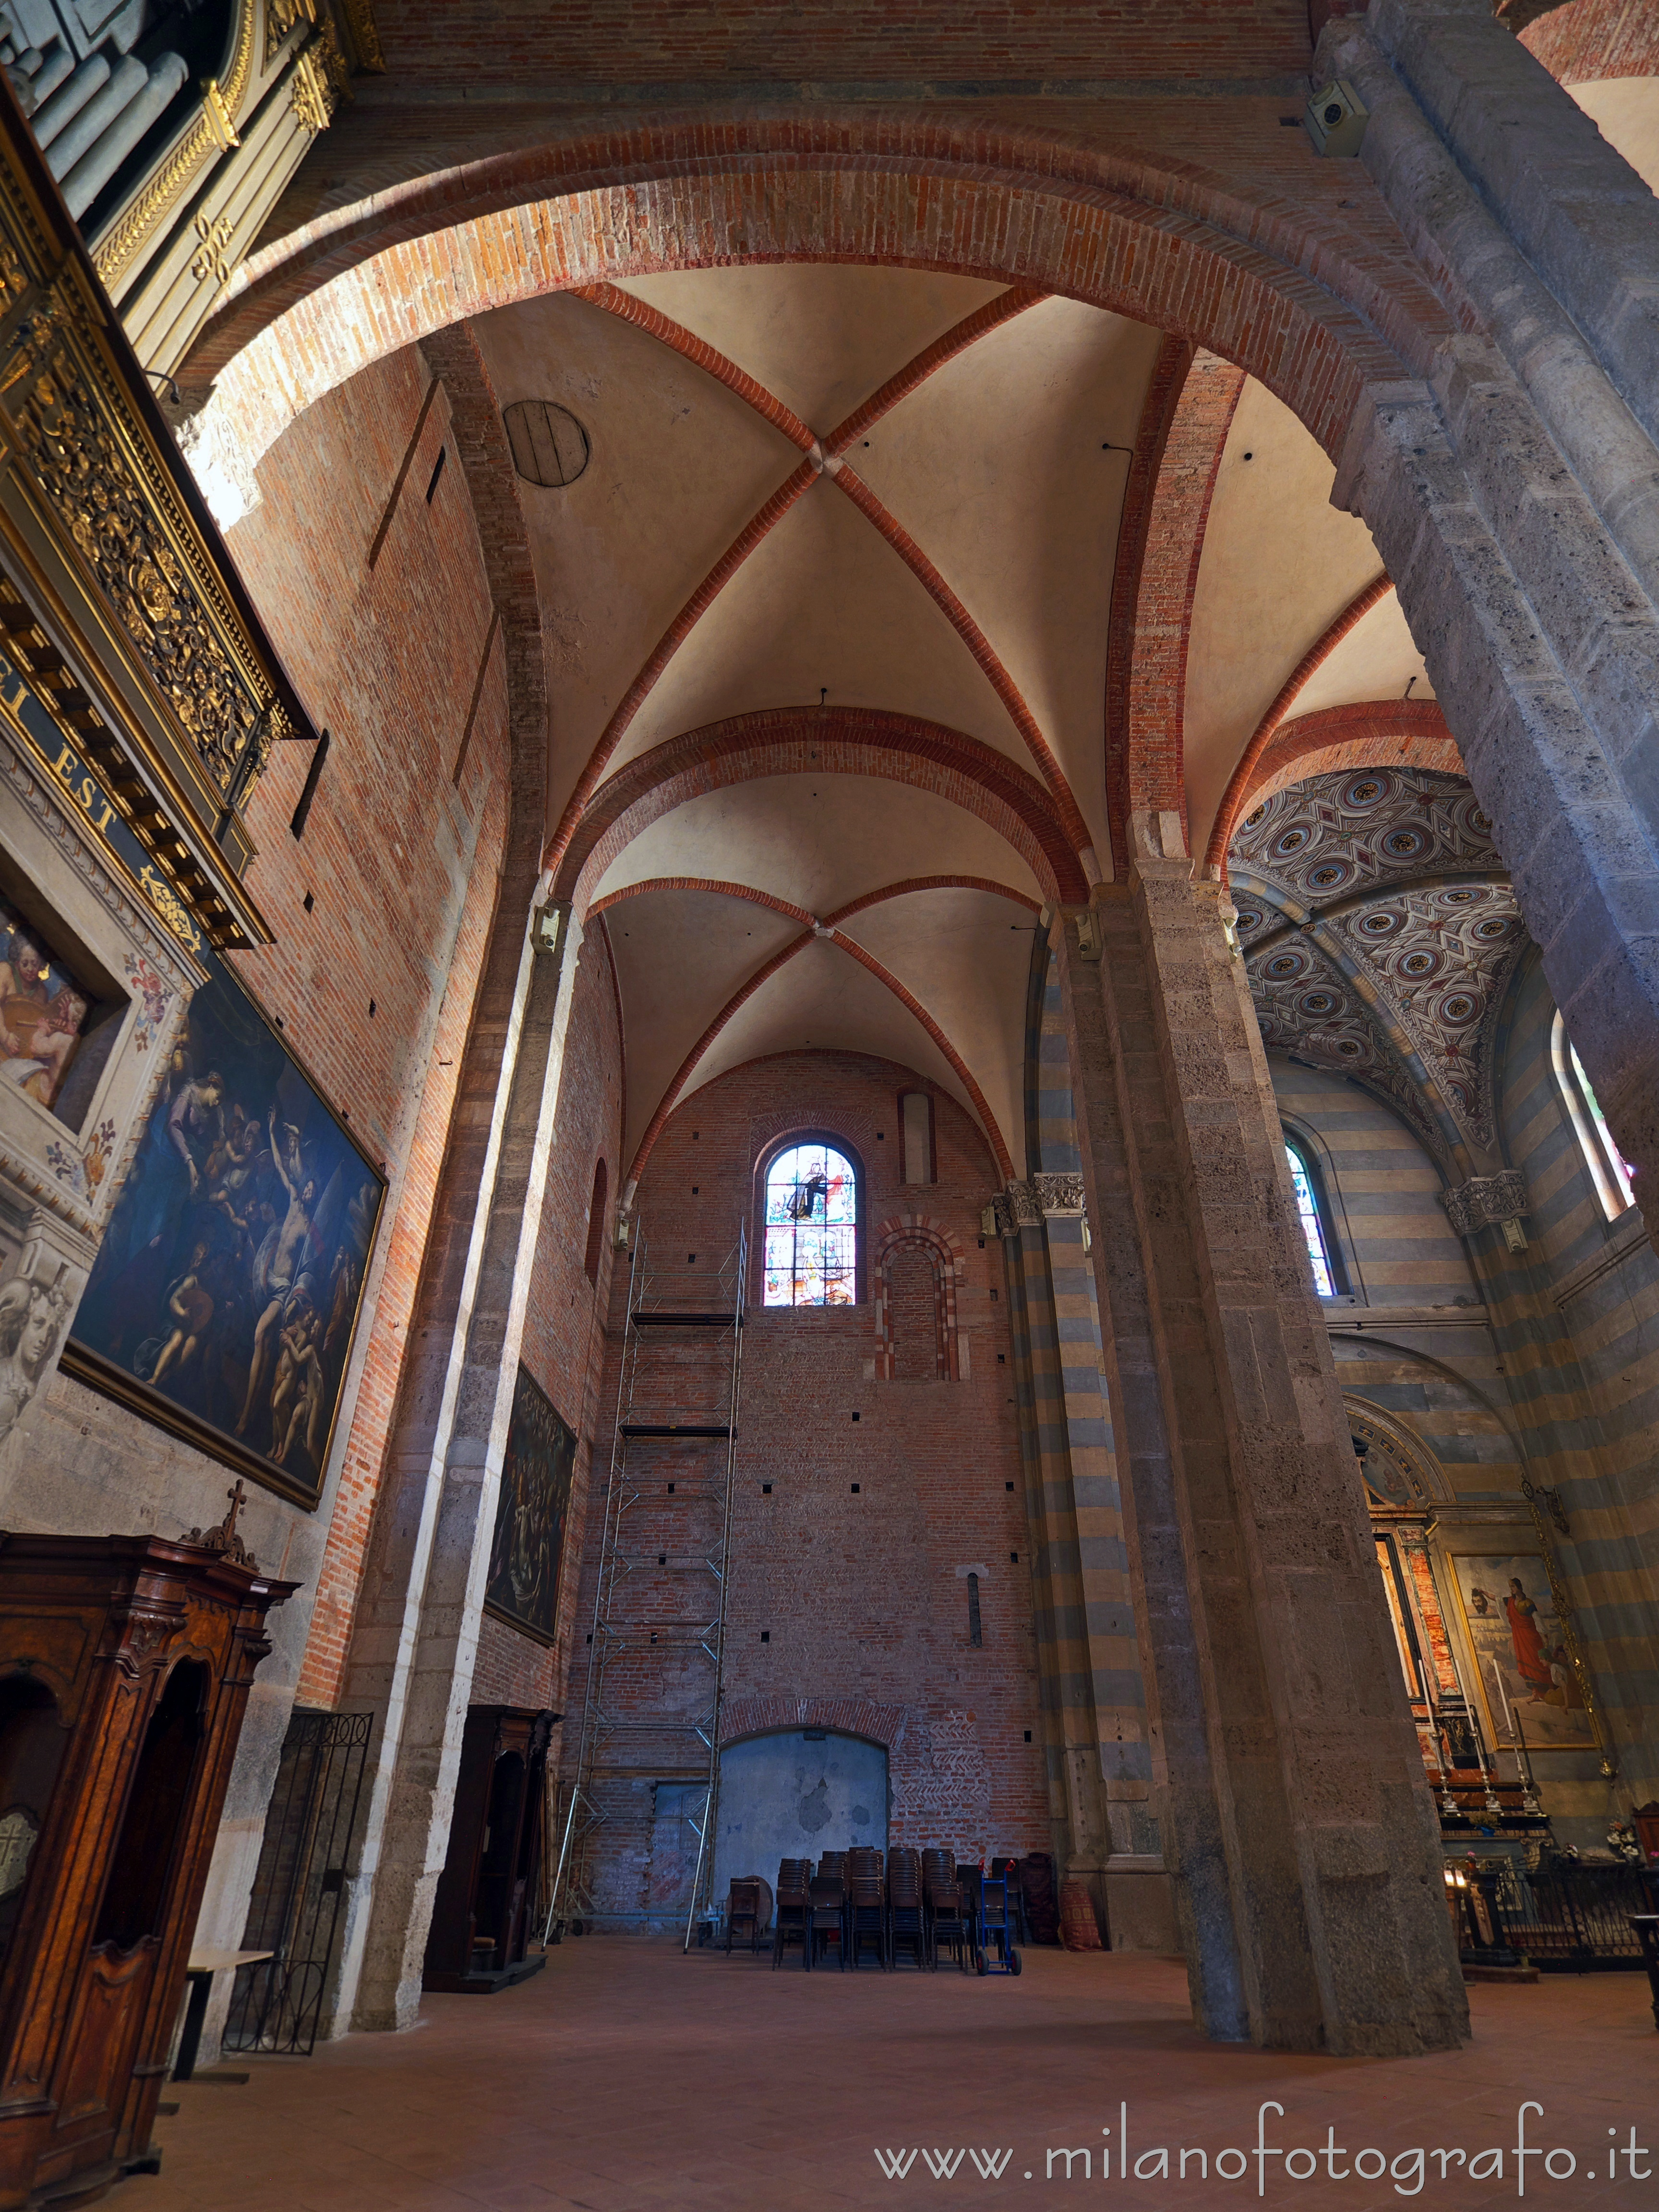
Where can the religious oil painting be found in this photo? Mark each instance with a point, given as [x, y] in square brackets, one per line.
[43, 1012]
[530, 1516]
[812, 1228]
[1528, 1682]
[225, 1296]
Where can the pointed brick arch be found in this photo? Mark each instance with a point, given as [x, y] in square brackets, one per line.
[829, 741]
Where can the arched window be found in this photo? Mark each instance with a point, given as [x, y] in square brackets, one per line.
[596, 1220]
[1313, 1222]
[811, 1256]
[1609, 1173]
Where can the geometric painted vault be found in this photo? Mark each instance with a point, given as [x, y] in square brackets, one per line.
[1379, 933]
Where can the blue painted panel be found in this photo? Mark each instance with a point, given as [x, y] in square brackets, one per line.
[786, 1797]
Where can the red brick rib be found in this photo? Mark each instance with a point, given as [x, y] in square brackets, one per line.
[704, 356]
[1320, 650]
[955, 340]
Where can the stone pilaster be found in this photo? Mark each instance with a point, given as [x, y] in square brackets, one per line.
[1299, 1831]
[417, 1641]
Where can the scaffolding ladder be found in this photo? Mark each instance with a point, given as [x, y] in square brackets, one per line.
[657, 1655]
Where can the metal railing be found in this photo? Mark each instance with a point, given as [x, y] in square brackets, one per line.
[1565, 1915]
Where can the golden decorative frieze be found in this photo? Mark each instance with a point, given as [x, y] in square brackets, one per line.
[121, 606]
[216, 236]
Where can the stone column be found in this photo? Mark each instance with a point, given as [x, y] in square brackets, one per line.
[416, 1638]
[1513, 493]
[1299, 1828]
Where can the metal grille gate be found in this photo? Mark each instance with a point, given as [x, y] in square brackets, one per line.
[651, 1714]
[295, 1911]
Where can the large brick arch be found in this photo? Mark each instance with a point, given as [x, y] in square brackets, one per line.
[831, 741]
[1289, 294]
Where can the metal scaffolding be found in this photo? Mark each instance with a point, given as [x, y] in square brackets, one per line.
[657, 1653]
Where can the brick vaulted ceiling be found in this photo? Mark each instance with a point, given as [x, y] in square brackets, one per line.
[888, 594]
[828, 616]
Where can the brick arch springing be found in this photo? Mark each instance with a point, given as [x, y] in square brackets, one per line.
[830, 741]
[913, 1231]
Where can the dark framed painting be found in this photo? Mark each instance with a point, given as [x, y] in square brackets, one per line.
[523, 1589]
[226, 1294]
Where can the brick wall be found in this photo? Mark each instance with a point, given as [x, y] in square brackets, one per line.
[645, 41]
[400, 865]
[858, 1594]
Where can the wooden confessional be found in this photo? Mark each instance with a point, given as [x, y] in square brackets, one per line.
[125, 1663]
[481, 1918]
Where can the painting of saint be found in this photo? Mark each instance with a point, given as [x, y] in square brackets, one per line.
[223, 1300]
[1528, 1685]
[528, 1544]
[43, 1009]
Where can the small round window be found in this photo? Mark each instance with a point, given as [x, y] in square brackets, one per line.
[550, 446]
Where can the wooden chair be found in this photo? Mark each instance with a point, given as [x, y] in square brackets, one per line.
[949, 1926]
[827, 1924]
[742, 1911]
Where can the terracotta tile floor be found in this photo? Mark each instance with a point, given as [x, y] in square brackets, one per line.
[627, 2078]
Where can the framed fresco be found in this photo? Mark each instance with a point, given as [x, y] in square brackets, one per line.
[525, 1551]
[1522, 1653]
[225, 1296]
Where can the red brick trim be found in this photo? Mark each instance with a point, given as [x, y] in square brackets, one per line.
[1291, 293]
[833, 741]
[1177, 516]
[703, 883]
[955, 340]
[1373, 733]
[984, 653]
[702, 356]
[1227, 813]
[798, 481]
[935, 883]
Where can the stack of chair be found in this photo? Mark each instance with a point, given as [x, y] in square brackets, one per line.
[968, 1881]
[907, 1925]
[867, 1909]
[743, 1912]
[794, 1910]
[946, 1910]
[826, 1922]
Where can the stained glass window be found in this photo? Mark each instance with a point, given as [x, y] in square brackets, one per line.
[812, 1228]
[1313, 1229]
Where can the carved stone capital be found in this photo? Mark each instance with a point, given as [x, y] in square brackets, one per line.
[1486, 1200]
[997, 1217]
[1061, 1194]
[1027, 1209]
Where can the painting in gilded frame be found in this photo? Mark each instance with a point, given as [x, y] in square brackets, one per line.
[225, 1296]
[528, 1545]
[1528, 1686]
